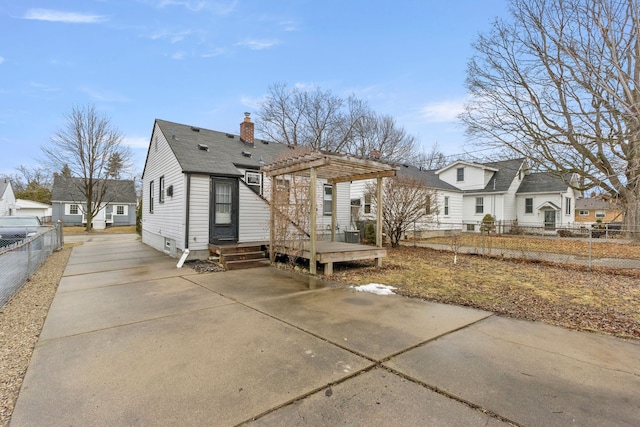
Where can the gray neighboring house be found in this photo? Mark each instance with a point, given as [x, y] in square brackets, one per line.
[118, 205]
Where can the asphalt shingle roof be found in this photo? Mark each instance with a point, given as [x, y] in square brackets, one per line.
[67, 189]
[595, 203]
[542, 182]
[502, 179]
[429, 177]
[224, 150]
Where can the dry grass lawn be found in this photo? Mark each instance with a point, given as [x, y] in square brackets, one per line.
[109, 230]
[603, 301]
[600, 248]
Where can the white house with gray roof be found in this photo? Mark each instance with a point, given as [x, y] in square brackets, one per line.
[68, 203]
[8, 205]
[467, 191]
[203, 187]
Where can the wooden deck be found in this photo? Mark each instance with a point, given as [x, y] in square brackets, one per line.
[329, 252]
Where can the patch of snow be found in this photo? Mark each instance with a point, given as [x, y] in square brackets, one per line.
[375, 288]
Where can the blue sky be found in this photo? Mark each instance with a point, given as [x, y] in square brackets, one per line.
[205, 63]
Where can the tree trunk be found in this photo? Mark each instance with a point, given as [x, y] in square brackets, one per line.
[632, 215]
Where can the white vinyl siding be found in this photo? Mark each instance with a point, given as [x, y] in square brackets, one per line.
[168, 219]
[199, 213]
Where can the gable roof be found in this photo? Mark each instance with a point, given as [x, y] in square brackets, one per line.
[506, 172]
[31, 204]
[595, 203]
[542, 182]
[428, 177]
[465, 163]
[66, 189]
[224, 150]
[4, 184]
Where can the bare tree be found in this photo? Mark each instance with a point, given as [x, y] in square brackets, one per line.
[406, 200]
[559, 83]
[85, 145]
[318, 119]
[432, 159]
[31, 183]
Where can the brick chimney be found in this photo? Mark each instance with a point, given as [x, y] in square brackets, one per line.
[246, 130]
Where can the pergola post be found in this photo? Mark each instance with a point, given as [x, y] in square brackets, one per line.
[334, 211]
[272, 221]
[312, 221]
[379, 217]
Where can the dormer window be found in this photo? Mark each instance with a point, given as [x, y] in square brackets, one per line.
[460, 174]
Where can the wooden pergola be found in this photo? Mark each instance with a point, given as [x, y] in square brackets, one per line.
[335, 168]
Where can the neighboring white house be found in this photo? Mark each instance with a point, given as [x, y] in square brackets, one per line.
[118, 206]
[32, 208]
[8, 205]
[467, 191]
[204, 187]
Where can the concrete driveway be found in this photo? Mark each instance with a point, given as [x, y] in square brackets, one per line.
[132, 340]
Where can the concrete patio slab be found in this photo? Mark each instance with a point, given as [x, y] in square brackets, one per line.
[376, 398]
[368, 324]
[533, 374]
[161, 268]
[259, 283]
[88, 310]
[212, 367]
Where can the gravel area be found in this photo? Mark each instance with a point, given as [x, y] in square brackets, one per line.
[21, 320]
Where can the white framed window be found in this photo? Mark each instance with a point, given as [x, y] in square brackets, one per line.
[460, 174]
[600, 214]
[471, 227]
[446, 206]
[161, 192]
[151, 196]
[72, 209]
[254, 181]
[367, 203]
[479, 205]
[567, 205]
[583, 212]
[528, 205]
[327, 200]
[120, 210]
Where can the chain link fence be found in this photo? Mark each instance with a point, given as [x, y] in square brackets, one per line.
[591, 246]
[20, 260]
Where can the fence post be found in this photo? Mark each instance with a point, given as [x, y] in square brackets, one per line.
[590, 243]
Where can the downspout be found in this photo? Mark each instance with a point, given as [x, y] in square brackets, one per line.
[186, 228]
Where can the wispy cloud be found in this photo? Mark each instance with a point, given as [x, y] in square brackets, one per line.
[253, 103]
[256, 44]
[289, 25]
[137, 141]
[214, 52]
[172, 37]
[179, 55]
[218, 7]
[43, 87]
[445, 111]
[104, 96]
[65, 17]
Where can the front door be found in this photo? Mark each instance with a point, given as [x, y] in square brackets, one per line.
[550, 219]
[224, 210]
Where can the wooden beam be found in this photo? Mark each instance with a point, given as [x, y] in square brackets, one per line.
[362, 176]
[312, 222]
[273, 170]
